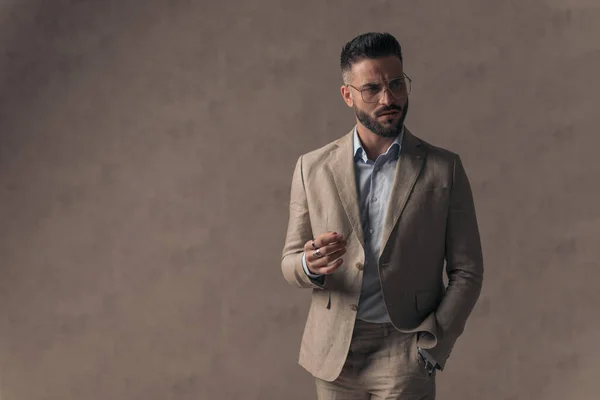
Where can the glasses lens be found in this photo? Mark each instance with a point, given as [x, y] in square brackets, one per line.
[398, 87]
[371, 94]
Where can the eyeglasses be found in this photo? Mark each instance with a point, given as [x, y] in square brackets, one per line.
[372, 92]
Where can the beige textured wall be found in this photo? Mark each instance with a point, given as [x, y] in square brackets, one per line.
[146, 153]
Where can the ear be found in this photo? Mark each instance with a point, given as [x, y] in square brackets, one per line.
[347, 95]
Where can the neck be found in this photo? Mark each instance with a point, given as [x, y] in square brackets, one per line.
[373, 144]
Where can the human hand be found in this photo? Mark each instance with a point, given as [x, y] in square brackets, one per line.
[322, 253]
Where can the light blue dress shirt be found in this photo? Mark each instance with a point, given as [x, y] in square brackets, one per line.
[374, 181]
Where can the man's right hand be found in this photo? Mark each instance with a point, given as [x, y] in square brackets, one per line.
[331, 246]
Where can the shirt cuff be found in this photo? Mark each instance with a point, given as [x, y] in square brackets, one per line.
[305, 268]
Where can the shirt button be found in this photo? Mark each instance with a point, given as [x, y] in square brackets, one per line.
[359, 266]
[374, 199]
[354, 307]
[370, 230]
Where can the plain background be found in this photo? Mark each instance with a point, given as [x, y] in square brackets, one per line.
[146, 154]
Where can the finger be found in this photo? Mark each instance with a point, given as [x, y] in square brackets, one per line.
[316, 263]
[322, 267]
[323, 239]
[331, 268]
[334, 256]
[324, 254]
[308, 245]
[332, 248]
[328, 253]
[314, 259]
[327, 238]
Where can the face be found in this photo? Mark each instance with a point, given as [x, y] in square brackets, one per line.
[386, 116]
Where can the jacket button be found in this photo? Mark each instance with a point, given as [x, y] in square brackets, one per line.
[359, 266]
[354, 307]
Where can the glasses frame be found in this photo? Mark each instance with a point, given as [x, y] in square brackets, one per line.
[386, 87]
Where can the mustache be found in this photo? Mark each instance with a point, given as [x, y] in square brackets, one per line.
[388, 109]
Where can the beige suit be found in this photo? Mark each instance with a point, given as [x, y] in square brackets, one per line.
[430, 219]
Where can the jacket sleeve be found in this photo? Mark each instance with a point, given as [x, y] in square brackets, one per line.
[464, 265]
[299, 231]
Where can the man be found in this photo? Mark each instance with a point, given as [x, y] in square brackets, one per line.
[374, 216]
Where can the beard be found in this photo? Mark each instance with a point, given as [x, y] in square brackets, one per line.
[377, 128]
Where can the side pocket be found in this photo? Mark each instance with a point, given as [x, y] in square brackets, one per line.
[321, 298]
[418, 360]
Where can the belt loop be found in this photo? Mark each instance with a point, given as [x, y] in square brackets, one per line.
[385, 330]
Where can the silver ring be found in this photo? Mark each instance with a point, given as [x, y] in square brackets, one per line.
[318, 253]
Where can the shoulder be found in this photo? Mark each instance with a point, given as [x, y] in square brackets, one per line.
[317, 157]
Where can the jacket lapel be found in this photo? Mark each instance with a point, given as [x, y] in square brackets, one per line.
[410, 163]
[342, 169]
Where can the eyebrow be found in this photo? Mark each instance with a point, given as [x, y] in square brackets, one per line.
[379, 83]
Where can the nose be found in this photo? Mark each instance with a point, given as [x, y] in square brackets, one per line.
[386, 97]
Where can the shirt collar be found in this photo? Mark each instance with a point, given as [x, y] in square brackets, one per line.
[359, 151]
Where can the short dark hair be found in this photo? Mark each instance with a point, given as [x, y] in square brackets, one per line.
[368, 45]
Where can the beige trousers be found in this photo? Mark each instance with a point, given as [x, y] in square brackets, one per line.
[382, 364]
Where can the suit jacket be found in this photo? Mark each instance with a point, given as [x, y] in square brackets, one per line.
[430, 222]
